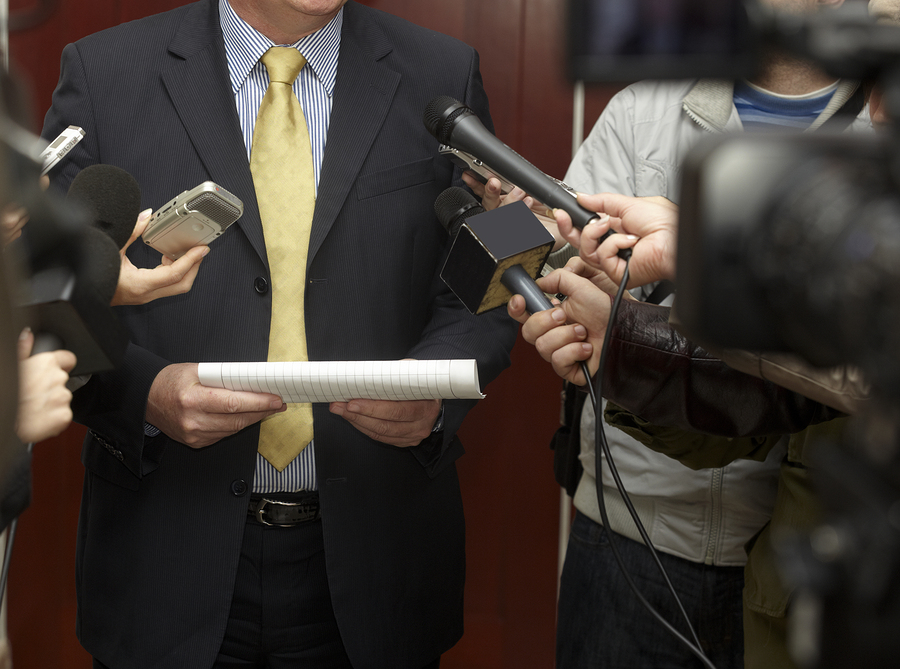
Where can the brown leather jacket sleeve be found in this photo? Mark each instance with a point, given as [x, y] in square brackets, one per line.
[657, 374]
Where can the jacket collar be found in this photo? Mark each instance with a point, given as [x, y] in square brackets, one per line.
[710, 102]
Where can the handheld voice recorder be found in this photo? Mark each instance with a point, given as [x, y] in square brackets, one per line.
[59, 147]
[197, 216]
[467, 161]
[470, 163]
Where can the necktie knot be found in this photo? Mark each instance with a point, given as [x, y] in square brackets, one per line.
[283, 64]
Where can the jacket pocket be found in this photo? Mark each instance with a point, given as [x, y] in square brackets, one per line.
[395, 178]
[104, 459]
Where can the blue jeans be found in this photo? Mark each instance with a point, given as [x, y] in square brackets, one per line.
[601, 623]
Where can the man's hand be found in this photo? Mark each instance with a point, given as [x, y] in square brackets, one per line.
[598, 277]
[171, 277]
[649, 226]
[490, 193]
[398, 423]
[492, 197]
[573, 332]
[199, 416]
[44, 401]
[12, 219]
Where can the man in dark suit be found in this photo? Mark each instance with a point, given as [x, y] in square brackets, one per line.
[172, 571]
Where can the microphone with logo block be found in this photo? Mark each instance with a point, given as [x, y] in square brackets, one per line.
[494, 254]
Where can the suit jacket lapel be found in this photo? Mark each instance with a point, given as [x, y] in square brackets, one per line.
[200, 89]
[363, 93]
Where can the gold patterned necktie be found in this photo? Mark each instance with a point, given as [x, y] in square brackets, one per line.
[282, 168]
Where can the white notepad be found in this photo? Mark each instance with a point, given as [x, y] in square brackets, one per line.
[348, 380]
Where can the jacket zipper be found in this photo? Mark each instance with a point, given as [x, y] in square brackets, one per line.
[712, 544]
[696, 119]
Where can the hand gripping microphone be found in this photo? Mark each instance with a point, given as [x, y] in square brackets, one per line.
[454, 124]
[495, 254]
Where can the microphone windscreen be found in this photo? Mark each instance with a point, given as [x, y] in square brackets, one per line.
[453, 206]
[439, 115]
[100, 262]
[111, 197]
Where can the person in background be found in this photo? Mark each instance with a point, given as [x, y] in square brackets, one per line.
[699, 519]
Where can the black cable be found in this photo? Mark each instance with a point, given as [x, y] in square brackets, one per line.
[600, 443]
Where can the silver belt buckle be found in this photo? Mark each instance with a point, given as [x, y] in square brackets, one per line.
[263, 503]
[304, 512]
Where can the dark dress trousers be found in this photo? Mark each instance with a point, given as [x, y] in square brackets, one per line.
[161, 524]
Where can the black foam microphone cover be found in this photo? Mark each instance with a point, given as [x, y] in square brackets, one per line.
[111, 198]
[453, 206]
[491, 250]
[100, 262]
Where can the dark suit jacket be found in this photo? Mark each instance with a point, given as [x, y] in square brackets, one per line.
[161, 523]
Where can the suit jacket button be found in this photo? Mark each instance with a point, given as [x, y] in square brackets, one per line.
[239, 487]
[261, 285]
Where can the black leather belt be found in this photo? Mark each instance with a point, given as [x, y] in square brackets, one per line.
[284, 510]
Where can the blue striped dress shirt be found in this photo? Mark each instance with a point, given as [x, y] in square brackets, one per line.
[244, 46]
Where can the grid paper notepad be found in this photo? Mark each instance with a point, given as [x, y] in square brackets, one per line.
[318, 381]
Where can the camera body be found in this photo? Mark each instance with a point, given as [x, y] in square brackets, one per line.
[789, 243]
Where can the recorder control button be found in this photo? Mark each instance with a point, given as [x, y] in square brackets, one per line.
[261, 285]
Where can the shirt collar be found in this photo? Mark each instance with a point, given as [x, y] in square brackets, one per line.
[244, 46]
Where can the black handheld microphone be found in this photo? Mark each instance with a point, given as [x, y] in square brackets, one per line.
[453, 123]
[491, 251]
[110, 197]
[66, 299]
[68, 307]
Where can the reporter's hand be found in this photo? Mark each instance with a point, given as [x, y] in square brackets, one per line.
[490, 193]
[571, 333]
[397, 423]
[44, 401]
[648, 225]
[198, 416]
[492, 197]
[172, 277]
[12, 219]
[598, 277]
